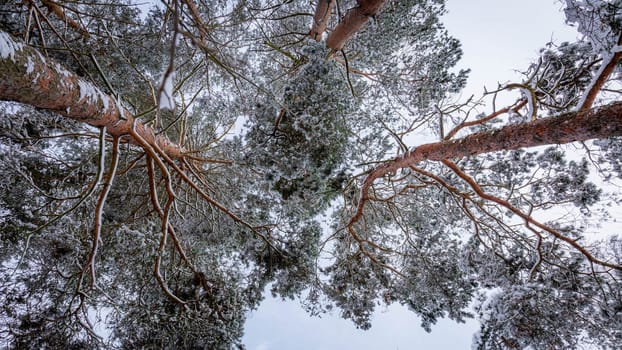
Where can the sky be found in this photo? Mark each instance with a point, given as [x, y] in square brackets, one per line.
[498, 38]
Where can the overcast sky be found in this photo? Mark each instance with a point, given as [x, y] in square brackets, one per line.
[498, 37]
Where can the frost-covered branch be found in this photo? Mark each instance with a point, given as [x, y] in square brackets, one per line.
[569, 127]
[608, 65]
[320, 19]
[599, 22]
[26, 76]
[528, 218]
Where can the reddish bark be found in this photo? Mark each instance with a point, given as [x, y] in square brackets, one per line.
[320, 19]
[573, 126]
[352, 22]
[58, 10]
[28, 77]
[601, 79]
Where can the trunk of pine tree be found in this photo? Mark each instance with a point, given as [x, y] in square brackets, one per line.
[26, 76]
[601, 122]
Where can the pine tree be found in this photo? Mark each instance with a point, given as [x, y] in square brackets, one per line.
[160, 169]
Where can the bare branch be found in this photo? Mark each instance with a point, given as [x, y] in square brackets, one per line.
[99, 208]
[58, 10]
[518, 105]
[528, 219]
[164, 233]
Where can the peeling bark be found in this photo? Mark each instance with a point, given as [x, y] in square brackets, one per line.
[352, 22]
[28, 77]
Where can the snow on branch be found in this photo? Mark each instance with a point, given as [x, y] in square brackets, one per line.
[28, 77]
[569, 127]
[599, 22]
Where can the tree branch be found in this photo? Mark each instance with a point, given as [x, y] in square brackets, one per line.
[352, 22]
[28, 77]
[528, 219]
[99, 208]
[607, 67]
[322, 14]
[515, 107]
[58, 10]
[573, 126]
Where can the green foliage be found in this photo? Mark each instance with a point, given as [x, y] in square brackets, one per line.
[302, 145]
[287, 130]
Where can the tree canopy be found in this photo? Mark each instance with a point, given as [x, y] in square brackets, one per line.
[161, 169]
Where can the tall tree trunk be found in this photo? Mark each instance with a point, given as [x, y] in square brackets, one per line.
[352, 22]
[26, 76]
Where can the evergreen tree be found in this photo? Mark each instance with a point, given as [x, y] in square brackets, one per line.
[160, 169]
